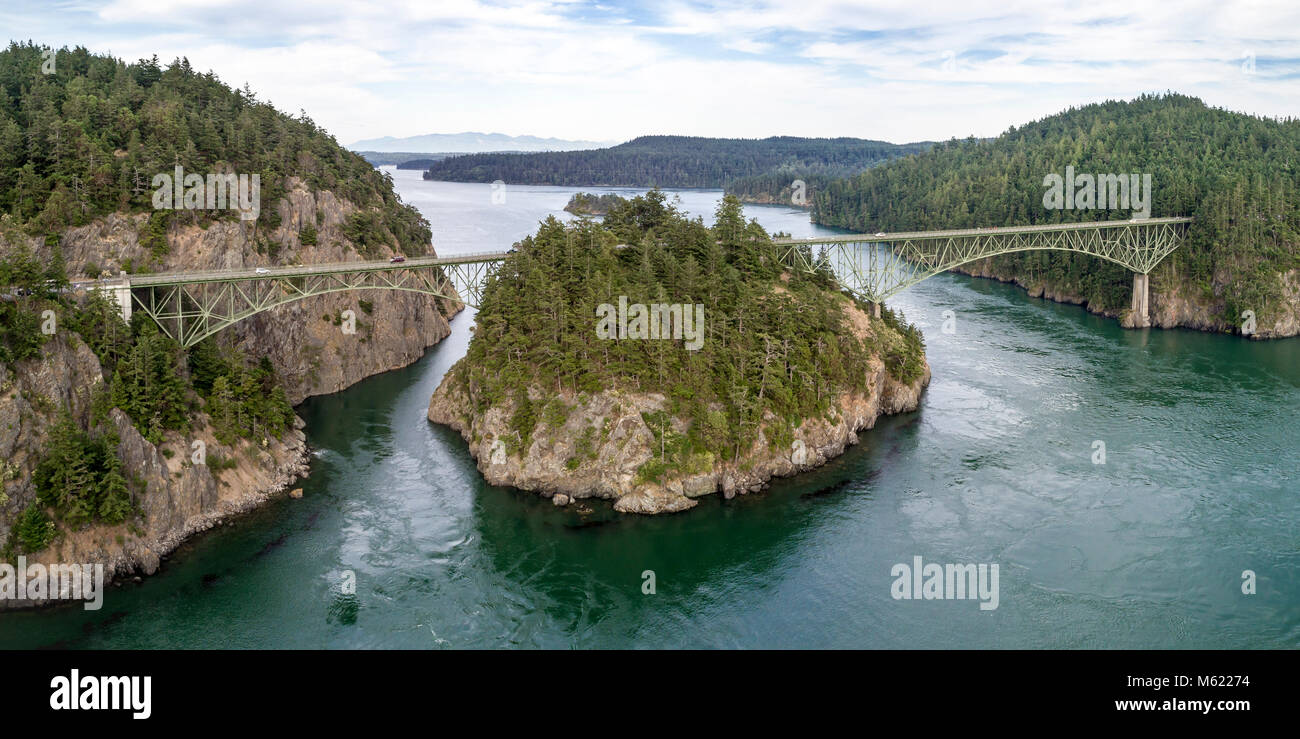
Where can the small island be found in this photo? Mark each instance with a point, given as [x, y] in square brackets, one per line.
[762, 371]
[591, 204]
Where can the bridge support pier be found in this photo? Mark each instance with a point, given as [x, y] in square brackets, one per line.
[1140, 306]
[121, 294]
[875, 308]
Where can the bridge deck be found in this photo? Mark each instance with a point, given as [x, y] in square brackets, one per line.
[992, 231]
[224, 275]
[252, 273]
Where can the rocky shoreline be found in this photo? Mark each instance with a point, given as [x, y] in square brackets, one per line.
[770, 199]
[1170, 306]
[555, 466]
[309, 352]
[177, 498]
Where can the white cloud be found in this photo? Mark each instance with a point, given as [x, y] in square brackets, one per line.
[814, 67]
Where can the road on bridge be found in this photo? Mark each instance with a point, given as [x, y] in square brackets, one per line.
[991, 231]
[256, 273]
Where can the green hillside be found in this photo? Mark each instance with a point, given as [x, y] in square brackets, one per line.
[1239, 176]
[88, 138]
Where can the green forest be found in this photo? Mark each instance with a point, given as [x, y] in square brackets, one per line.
[1238, 175]
[769, 345]
[675, 161]
[402, 159]
[87, 139]
[778, 185]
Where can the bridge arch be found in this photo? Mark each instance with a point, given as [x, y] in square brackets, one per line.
[878, 267]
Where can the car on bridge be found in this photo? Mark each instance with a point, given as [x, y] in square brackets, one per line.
[397, 259]
[262, 271]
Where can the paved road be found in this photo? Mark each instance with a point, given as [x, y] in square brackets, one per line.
[223, 275]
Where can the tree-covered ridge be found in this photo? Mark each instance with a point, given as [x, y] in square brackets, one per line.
[1238, 175]
[779, 185]
[382, 158]
[775, 342]
[671, 161]
[88, 138]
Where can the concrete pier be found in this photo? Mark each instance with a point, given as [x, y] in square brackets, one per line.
[120, 291]
[1141, 307]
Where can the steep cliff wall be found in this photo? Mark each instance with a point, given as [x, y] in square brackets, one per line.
[173, 497]
[311, 355]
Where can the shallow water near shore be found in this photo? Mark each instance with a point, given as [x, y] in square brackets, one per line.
[1200, 482]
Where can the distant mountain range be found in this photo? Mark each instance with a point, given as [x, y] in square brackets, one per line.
[472, 143]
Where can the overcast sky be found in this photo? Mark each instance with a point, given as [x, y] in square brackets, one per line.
[899, 71]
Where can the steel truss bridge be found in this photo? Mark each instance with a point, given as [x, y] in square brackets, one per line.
[878, 267]
[191, 306]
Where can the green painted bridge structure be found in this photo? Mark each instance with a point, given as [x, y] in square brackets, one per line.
[191, 306]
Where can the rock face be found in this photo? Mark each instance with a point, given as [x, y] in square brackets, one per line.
[782, 198]
[624, 443]
[1171, 302]
[310, 353]
[175, 496]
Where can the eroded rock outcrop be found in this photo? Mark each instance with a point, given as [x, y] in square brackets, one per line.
[174, 496]
[556, 464]
[311, 354]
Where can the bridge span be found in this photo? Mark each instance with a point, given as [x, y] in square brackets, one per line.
[190, 306]
[878, 266]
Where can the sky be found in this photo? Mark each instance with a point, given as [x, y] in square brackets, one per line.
[899, 70]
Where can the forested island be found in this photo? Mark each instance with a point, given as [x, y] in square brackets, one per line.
[786, 371]
[756, 168]
[590, 204]
[99, 419]
[1238, 175]
[418, 164]
[403, 159]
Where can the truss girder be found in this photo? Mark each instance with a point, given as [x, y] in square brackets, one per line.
[879, 268]
[192, 311]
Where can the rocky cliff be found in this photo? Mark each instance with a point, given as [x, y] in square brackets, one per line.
[311, 354]
[174, 496]
[556, 466]
[309, 351]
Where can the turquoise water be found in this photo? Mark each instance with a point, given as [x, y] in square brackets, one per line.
[1146, 550]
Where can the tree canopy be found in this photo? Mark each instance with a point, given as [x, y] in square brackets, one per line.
[87, 140]
[776, 344]
[673, 161]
